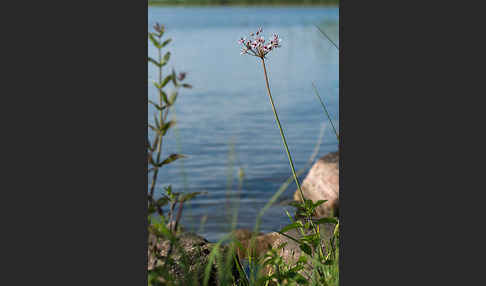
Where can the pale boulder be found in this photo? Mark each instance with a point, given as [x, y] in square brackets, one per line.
[322, 183]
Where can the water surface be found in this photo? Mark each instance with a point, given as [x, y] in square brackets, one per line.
[228, 106]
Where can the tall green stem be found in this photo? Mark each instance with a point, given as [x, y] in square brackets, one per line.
[161, 122]
[327, 113]
[282, 133]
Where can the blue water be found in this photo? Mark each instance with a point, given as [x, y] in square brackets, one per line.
[228, 106]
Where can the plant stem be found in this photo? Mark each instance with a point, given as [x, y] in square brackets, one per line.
[327, 113]
[327, 37]
[282, 133]
[179, 214]
[159, 145]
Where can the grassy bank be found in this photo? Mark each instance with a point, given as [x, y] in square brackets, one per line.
[242, 2]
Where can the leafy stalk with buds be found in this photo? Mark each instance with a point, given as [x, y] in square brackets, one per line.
[161, 123]
[166, 227]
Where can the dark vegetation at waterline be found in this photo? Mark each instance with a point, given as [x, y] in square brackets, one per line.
[243, 2]
[305, 252]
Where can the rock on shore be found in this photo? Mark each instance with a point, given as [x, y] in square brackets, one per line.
[264, 242]
[322, 183]
[194, 249]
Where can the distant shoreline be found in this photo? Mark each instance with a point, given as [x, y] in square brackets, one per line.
[243, 3]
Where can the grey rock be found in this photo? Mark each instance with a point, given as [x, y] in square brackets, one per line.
[192, 251]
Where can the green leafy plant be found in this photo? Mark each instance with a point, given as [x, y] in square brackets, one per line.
[162, 125]
[165, 225]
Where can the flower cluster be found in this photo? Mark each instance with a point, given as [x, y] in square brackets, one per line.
[255, 44]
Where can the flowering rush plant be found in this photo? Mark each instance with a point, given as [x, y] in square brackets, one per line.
[255, 44]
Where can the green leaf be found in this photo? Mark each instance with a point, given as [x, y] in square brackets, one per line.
[161, 229]
[166, 42]
[189, 196]
[186, 85]
[154, 41]
[306, 248]
[310, 237]
[238, 244]
[172, 158]
[327, 220]
[149, 146]
[288, 236]
[302, 259]
[168, 189]
[151, 60]
[302, 213]
[156, 121]
[151, 160]
[282, 245]
[336, 229]
[166, 80]
[329, 262]
[291, 226]
[307, 225]
[319, 202]
[165, 59]
[164, 96]
[289, 216]
[157, 106]
[308, 204]
[296, 204]
[301, 280]
[166, 127]
[174, 77]
[173, 98]
[162, 201]
[153, 128]
[151, 209]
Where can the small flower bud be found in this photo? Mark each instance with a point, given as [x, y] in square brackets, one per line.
[181, 76]
[158, 28]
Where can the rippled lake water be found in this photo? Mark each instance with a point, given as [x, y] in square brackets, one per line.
[228, 106]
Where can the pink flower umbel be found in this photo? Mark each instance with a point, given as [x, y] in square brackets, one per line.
[256, 46]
